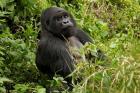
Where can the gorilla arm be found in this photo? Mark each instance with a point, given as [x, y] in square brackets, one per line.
[83, 37]
[75, 46]
[75, 42]
[80, 39]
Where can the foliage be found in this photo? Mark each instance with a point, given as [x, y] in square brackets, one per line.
[114, 26]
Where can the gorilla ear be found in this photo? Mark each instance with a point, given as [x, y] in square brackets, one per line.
[47, 22]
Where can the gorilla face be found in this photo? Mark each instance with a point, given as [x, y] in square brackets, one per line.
[61, 21]
[57, 20]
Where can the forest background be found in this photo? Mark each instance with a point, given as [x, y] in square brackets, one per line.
[113, 24]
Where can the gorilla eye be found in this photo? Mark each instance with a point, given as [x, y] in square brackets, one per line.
[58, 18]
[65, 16]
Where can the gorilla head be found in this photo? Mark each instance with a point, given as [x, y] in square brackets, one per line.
[57, 21]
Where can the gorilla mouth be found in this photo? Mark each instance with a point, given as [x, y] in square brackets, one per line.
[68, 28]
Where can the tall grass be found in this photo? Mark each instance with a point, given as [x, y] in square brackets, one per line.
[113, 25]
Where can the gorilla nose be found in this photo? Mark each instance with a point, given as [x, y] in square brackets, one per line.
[65, 22]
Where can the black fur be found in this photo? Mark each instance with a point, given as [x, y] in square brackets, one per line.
[53, 56]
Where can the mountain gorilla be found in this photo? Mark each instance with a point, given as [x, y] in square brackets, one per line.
[59, 33]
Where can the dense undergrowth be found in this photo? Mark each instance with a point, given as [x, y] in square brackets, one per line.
[114, 25]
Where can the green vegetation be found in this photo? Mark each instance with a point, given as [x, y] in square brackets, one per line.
[113, 24]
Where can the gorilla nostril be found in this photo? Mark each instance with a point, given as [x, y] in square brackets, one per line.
[65, 22]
